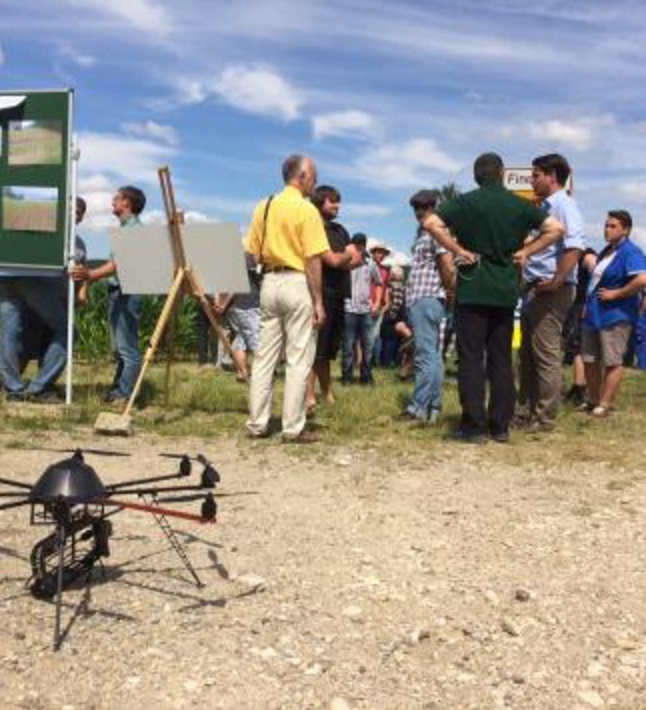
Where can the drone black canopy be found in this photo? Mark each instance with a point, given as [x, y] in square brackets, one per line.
[70, 479]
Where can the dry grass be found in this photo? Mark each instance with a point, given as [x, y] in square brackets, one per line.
[202, 401]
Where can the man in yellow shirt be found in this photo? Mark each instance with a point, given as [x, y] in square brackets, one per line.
[287, 238]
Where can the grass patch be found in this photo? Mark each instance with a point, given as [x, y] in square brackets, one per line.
[204, 402]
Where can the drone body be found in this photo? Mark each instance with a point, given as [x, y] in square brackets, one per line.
[70, 496]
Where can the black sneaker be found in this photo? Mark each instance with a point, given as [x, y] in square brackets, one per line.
[500, 437]
[48, 396]
[468, 437]
[16, 396]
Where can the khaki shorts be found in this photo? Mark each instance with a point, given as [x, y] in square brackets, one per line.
[607, 346]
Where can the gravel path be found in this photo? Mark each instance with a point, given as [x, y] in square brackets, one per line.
[347, 579]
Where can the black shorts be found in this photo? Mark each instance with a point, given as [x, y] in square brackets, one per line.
[331, 334]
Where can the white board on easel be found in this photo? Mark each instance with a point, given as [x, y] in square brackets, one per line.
[146, 264]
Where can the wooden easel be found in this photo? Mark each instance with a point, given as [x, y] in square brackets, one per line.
[185, 282]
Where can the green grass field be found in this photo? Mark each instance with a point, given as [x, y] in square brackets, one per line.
[207, 403]
[38, 145]
[28, 215]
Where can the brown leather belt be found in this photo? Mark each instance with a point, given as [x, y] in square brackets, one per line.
[277, 269]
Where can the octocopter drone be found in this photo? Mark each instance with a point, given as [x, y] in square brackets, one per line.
[70, 496]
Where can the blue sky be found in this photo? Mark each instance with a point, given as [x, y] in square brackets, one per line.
[387, 97]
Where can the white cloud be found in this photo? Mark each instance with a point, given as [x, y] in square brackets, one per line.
[151, 129]
[259, 90]
[413, 163]
[122, 158]
[354, 210]
[143, 15]
[344, 124]
[578, 134]
[635, 191]
[638, 235]
[85, 61]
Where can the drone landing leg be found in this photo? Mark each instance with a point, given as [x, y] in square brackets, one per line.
[168, 531]
[60, 541]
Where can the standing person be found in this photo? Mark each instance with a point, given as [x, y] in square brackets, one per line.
[337, 262]
[393, 315]
[36, 336]
[124, 310]
[611, 312]
[360, 308]
[572, 329]
[28, 295]
[490, 224]
[287, 238]
[430, 283]
[380, 296]
[549, 282]
[243, 313]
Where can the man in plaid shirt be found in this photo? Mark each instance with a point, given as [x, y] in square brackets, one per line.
[430, 284]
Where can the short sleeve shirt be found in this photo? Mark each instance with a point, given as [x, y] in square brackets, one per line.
[492, 222]
[336, 282]
[614, 270]
[544, 264]
[292, 232]
[424, 278]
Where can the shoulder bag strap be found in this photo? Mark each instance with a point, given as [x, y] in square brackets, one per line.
[264, 229]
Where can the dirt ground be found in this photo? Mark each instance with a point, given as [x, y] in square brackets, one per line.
[452, 578]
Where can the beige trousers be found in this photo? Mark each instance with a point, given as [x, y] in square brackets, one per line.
[541, 353]
[285, 320]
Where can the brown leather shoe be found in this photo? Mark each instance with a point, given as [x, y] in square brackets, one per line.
[305, 437]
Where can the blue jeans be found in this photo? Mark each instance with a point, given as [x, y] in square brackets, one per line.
[375, 338]
[426, 317]
[123, 315]
[356, 328]
[45, 297]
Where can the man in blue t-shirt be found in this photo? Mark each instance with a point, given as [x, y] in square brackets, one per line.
[611, 312]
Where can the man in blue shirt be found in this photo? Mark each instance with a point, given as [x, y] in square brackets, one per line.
[549, 282]
[611, 312]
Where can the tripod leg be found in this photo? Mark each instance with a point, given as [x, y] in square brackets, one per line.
[198, 292]
[60, 541]
[173, 294]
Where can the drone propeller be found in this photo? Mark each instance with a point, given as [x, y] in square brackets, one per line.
[80, 450]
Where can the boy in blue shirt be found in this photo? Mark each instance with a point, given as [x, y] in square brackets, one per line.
[611, 312]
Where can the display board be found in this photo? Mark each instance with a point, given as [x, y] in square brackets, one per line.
[213, 251]
[35, 140]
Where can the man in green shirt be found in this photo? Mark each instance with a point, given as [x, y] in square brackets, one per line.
[490, 225]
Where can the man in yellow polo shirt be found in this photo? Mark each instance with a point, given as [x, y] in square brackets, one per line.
[287, 238]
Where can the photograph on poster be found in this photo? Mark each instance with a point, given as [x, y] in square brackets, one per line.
[29, 209]
[35, 143]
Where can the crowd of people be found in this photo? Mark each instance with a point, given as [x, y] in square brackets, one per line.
[316, 292]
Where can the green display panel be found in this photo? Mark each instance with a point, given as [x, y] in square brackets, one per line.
[34, 178]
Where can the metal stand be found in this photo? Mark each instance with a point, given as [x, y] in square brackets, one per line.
[60, 542]
[172, 538]
[71, 256]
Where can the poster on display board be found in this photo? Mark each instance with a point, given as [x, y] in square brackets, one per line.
[35, 156]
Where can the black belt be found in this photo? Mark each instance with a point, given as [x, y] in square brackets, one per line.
[277, 269]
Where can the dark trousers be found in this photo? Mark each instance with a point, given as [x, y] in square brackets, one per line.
[484, 335]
